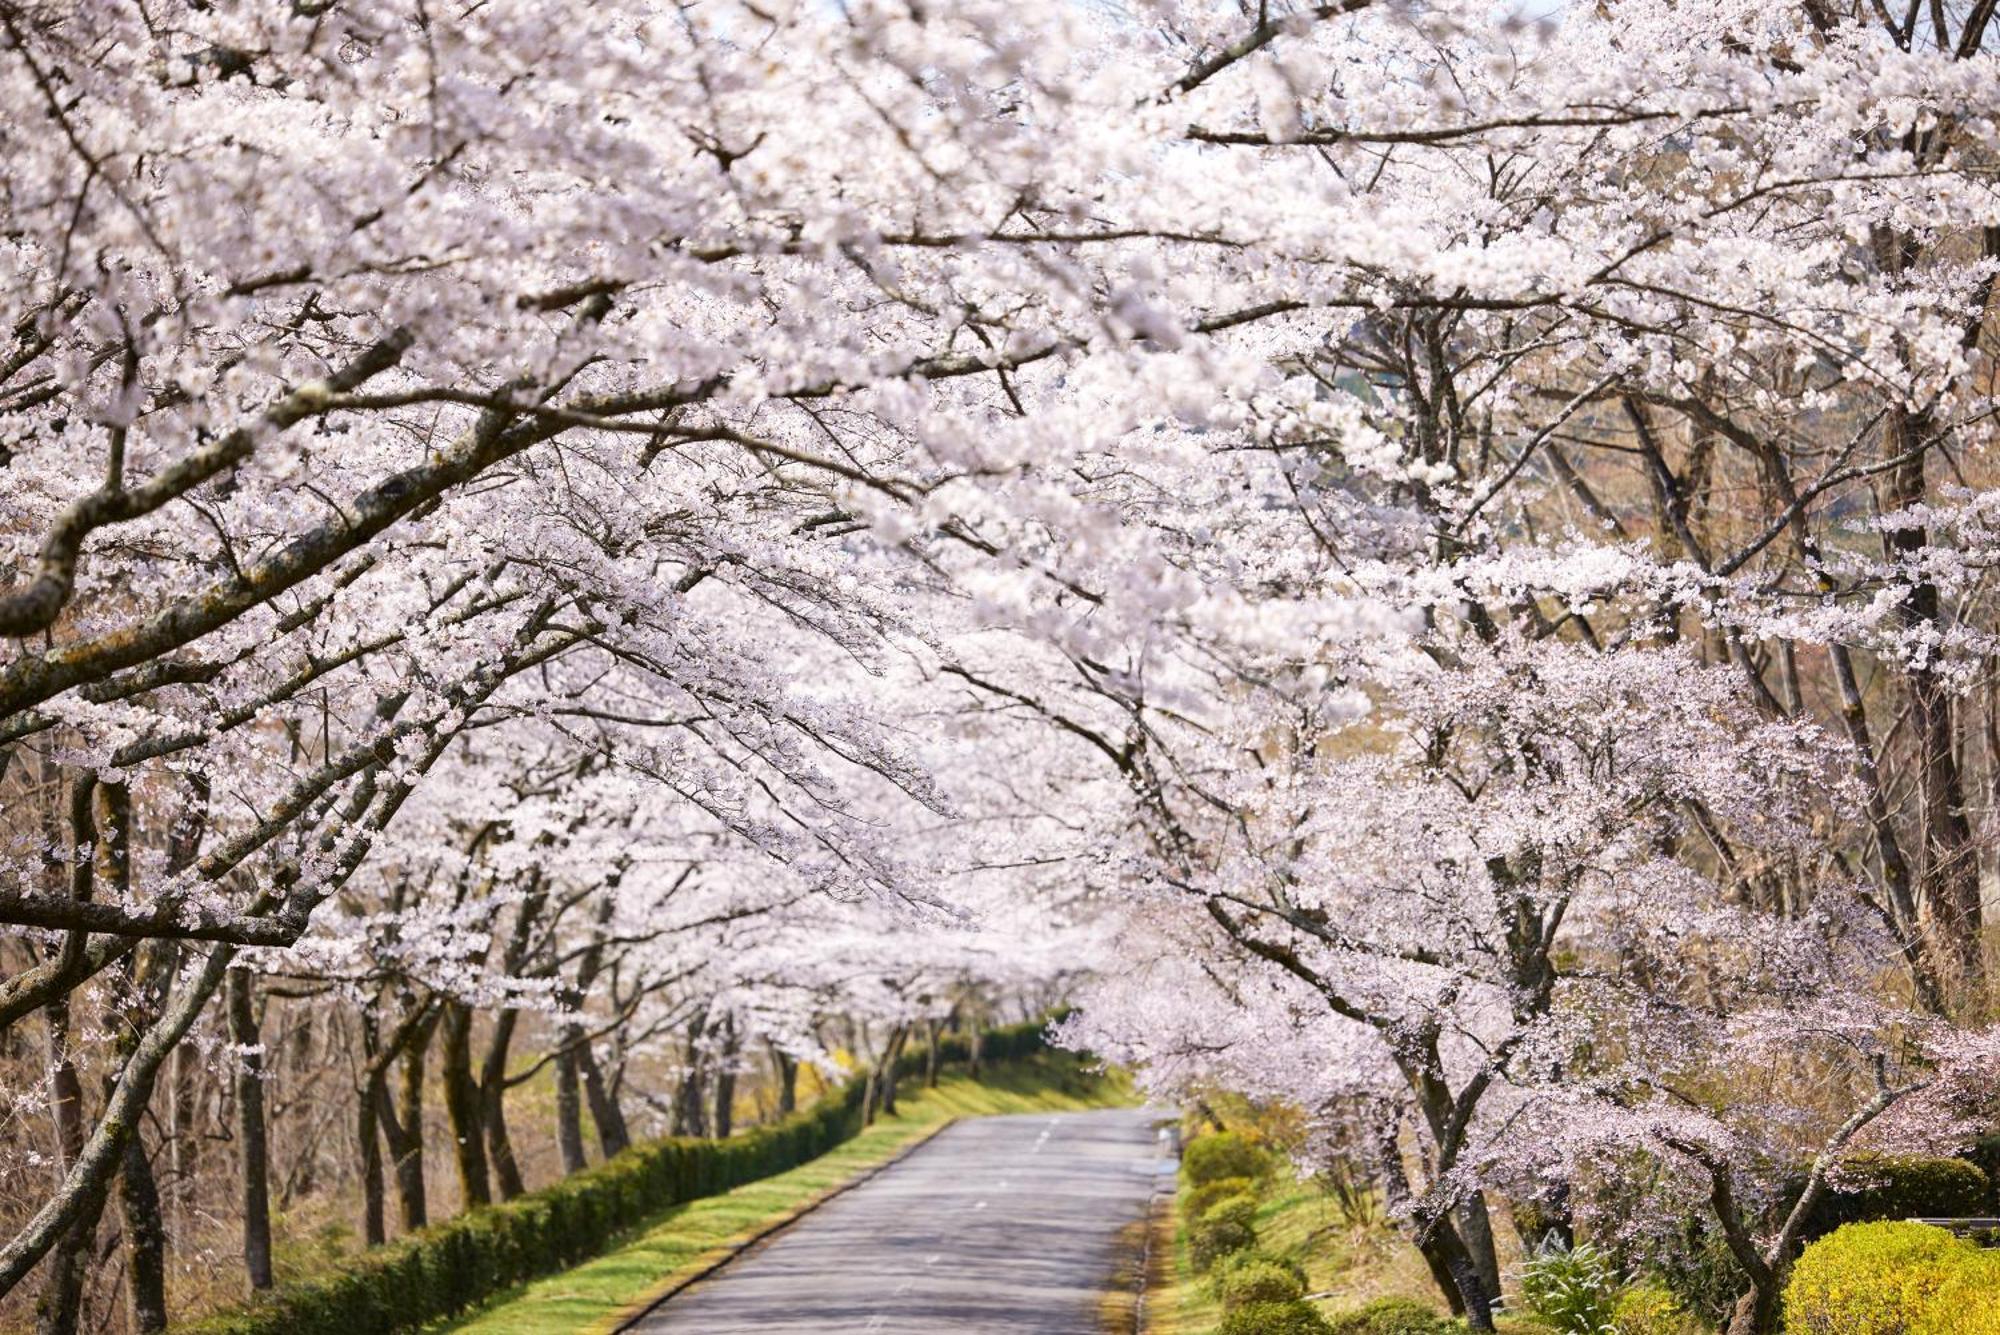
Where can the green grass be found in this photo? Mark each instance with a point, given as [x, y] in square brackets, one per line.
[686, 1238]
[1353, 1262]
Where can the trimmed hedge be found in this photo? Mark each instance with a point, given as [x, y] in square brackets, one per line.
[451, 1267]
[1899, 1187]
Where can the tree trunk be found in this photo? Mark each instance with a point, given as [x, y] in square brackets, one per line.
[404, 1129]
[1756, 1311]
[690, 1103]
[145, 974]
[59, 1307]
[1456, 1259]
[725, 1081]
[184, 1139]
[1395, 1182]
[788, 1082]
[493, 1107]
[145, 1240]
[886, 1087]
[1948, 872]
[254, 1152]
[931, 1028]
[612, 1135]
[367, 1134]
[977, 1049]
[187, 1080]
[569, 1111]
[461, 1105]
[1475, 1227]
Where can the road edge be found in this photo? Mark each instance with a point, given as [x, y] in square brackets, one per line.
[645, 1307]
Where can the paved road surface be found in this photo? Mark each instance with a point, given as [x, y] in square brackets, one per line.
[998, 1225]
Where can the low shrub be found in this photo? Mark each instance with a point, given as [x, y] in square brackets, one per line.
[1653, 1309]
[1240, 1210]
[1230, 1225]
[1292, 1318]
[1575, 1289]
[1223, 1154]
[1888, 1278]
[1895, 1187]
[1257, 1280]
[1195, 1203]
[1392, 1316]
[1237, 1260]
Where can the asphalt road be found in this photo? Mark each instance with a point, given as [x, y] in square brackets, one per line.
[1000, 1224]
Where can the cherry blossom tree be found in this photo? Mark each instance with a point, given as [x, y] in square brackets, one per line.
[618, 541]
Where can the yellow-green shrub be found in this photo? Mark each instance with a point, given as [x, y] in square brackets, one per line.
[1196, 1202]
[1652, 1309]
[1969, 1302]
[1223, 1154]
[1883, 1279]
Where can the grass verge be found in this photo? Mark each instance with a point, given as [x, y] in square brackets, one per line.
[1350, 1263]
[689, 1238]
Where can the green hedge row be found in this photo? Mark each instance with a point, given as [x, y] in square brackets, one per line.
[995, 1045]
[1897, 1187]
[456, 1265]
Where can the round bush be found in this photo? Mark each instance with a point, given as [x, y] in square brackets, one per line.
[1874, 1279]
[1227, 1226]
[1223, 1154]
[1293, 1318]
[1247, 1258]
[1392, 1316]
[1232, 1210]
[1197, 1201]
[1258, 1281]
